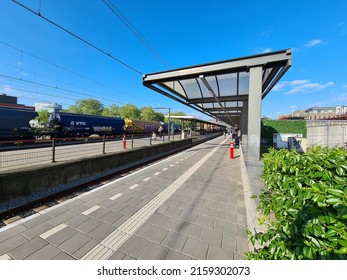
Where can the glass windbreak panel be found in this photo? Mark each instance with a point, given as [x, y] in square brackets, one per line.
[209, 105]
[192, 88]
[227, 84]
[231, 104]
[243, 83]
[176, 86]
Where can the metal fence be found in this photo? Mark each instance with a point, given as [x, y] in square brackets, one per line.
[15, 154]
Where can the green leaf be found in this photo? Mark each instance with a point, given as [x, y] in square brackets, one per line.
[342, 251]
[336, 192]
[340, 171]
[334, 201]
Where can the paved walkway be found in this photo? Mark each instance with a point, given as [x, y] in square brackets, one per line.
[188, 206]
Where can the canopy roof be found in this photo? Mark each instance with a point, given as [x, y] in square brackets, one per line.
[220, 89]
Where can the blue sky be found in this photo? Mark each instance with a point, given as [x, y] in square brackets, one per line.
[41, 63]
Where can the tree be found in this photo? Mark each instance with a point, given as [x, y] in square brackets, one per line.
[88, 106]
[111, 111]
[129, 111]
[148, 114]
[42, 117]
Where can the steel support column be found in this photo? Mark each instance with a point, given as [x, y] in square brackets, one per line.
[254, 112]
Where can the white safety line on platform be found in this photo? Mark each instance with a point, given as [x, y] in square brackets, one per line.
[53, 231]
[116, 196]
[133, 186]
[91, 210]
[5, 257]
[112, 242]
[146, 179]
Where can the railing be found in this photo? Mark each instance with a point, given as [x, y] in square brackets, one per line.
[14, 154]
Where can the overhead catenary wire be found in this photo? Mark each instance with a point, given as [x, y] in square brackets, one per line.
[132, 28]
[77, 37]
[56, 80]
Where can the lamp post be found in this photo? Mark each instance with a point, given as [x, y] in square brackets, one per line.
[292, 109]
[169, 124]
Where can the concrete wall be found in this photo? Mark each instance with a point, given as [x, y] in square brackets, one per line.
[27, 181]
[326, 133]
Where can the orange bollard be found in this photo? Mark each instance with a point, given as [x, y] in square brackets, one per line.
[231, 150]
[124, 142]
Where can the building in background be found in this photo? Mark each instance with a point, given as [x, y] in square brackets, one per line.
[50, 107]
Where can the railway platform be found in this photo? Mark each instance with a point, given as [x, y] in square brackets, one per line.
[191, 205]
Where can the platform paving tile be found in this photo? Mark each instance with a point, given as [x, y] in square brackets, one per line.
[47, 252]
[154, 251]
[229, 242]
[74, 243]
[61, 236]
[172, 212]
[37, 230]
[191, 230]
[117, 256]
[63, 256]
[189, 206]
[88, 225]
[174, 255]
[85, 249]
[211, 236]
[173, 224]
[11, 232]
[174, 240]
[202, 210]
[153, 233]
[218, 214]
[36, 220]
[225, 226]
[111, 217]
[205, 221]
[12, 243]
[60, 219]
[188, 216]
[242, 220]
[134, 246]
[77, 220]
[196, 248]
[102, 231]
[100, 212]
[130, 210]
[78, 209]
[217, 253]
[157, 219]
[242, 245]
[28, 248]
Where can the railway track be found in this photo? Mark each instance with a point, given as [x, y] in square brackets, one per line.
[16, 210]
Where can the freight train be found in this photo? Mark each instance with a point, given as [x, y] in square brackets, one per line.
[15, 124]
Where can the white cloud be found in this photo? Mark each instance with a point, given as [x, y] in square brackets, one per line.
[298, 82]
[266, 50]
[313, 43]
[297, 86]
[309, 87]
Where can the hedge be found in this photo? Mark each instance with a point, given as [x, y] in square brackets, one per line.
[304, 206]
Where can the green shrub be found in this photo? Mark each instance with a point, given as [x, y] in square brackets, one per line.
[304, 207]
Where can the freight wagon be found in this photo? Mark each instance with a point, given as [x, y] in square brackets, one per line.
[75, 125]
[14, 123]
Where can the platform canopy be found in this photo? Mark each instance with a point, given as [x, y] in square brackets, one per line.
[220, 89]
